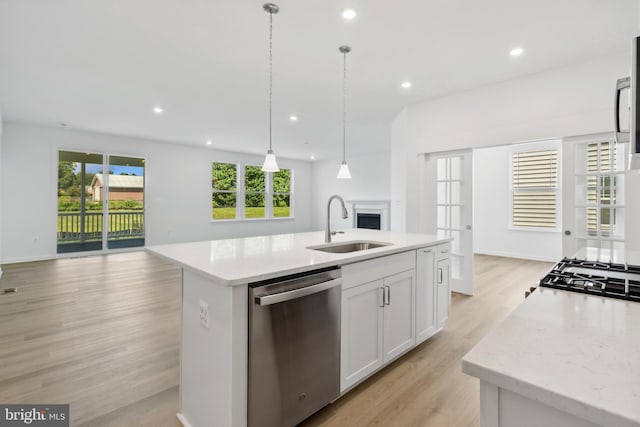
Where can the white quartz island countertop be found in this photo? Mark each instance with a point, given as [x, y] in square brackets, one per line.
[575, 352]
[240, 261]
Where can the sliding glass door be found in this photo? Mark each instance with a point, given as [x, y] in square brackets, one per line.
[79, 214]
[126, 202]
[98, 211]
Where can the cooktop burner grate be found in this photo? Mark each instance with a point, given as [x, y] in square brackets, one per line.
[594, 278]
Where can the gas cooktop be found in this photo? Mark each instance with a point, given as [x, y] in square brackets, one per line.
[595, 278]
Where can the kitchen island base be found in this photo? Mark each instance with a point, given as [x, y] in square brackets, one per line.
[500, 407]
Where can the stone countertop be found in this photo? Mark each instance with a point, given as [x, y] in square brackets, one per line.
[575, 352]
[244, 260]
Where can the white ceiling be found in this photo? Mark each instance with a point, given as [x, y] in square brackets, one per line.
[103, 65]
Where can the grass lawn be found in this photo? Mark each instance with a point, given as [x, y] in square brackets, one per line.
[230, 213]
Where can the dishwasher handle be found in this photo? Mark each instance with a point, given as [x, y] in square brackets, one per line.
[297, 293]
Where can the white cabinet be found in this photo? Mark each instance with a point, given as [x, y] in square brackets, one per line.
[362, 325]
[425, 294]
[443, 287]
[399, 315]
[378, 317]
[389, 305]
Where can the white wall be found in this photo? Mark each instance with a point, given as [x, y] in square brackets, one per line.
[574, 100]
[370, 181]
[178, 198]
[0, 195]
[492, 209]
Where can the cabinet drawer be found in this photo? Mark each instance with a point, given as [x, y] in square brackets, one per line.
[377, 268]
[443, 251]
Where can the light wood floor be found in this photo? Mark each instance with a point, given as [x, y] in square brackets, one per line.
[102, 333]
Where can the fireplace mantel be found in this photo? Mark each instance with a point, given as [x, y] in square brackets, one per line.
[381, 207]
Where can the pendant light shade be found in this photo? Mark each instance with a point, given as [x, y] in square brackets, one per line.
[344, 173]
[270, 164]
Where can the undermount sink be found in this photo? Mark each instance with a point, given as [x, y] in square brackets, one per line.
[346, 247]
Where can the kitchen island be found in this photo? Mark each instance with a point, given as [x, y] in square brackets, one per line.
[216, 275]
[562, 359]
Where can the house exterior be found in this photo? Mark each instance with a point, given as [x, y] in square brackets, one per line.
[121, 187]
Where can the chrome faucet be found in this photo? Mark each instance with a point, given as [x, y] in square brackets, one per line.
[345, 215]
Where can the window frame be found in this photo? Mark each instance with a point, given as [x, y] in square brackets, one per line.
[236, 192]
[548, 145]
[241, 195]
[599, 174]
[274, 193]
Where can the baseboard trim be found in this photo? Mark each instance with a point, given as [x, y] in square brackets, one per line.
[518, 256]
[182, 419]
[27, 259]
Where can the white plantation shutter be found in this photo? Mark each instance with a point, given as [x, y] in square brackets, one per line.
[535, 182]
[601, 160]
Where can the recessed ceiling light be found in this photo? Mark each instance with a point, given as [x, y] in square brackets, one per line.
[406, 85]
[158, 109]
[209, 142]
[516, 52]
[293, 118]
[348, 14]
[313, 157]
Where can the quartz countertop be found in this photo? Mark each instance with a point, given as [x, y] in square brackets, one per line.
[240, 261]
[575, 352]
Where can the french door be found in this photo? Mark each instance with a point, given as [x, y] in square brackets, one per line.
[455, 215]
[98, 211]
[594, 204]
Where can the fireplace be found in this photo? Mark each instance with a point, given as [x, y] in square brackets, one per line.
[370, 214]
[368, 220]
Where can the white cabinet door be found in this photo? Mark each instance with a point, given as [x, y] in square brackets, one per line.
[399, 314]
[362, 318]
[425, 294]
[443, 292]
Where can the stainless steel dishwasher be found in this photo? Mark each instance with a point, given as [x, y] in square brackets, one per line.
[294, 347]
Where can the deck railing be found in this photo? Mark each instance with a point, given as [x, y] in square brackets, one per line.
[121, 225]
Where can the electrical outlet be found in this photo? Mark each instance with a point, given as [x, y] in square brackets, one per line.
[204, 313]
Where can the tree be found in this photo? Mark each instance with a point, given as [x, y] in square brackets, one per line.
[223, 177]
[66, 177]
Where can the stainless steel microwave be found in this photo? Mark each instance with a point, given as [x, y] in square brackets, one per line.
[627, 109]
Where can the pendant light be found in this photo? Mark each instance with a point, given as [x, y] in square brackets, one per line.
[344, 173]
[270, 164]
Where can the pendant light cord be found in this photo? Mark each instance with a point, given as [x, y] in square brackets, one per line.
[270, 73]
[344, 109]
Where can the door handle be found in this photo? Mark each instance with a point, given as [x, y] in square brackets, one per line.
[383, 297]
[388, 295]
[439, 275]
[297, 293]
[567, 232]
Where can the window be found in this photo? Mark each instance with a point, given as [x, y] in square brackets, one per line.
[245, 192]
[602, 188]
[224, 195]
[282, 193]
[254, 192]
[534, 189]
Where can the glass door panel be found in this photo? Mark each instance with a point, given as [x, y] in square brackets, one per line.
[454, 198]
[79, 223]
[123, 187]
[594, 206]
